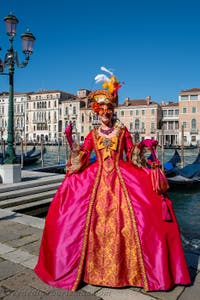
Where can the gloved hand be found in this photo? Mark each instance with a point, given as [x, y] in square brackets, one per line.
[68, 134]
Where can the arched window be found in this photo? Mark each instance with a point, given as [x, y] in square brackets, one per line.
[194, 124]
[74, 110]
[137, 124]
[82, 118]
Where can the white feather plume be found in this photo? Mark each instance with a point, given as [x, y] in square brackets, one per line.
[101, 78]
[106, 70]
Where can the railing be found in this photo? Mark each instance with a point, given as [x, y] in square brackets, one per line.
[194, 131]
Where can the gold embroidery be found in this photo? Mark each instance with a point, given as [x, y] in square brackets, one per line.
[133, 219]
[111, 258]
[128, 233]
[85, 239]
[108, 145]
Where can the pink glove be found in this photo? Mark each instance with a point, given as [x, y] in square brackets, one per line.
[151, 144]
[68, 134]
[148, 143]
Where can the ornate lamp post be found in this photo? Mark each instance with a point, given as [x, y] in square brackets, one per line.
[9, 61]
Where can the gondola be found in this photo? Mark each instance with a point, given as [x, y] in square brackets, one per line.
[178, 147]
[188, 176]
[31, 157]
[171, 165]
[61, 167]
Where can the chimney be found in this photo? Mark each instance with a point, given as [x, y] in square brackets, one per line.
[126, 101]
[148, 98]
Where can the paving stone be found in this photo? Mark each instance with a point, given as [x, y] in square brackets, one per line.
[122, 294]
[30, 221]
[5, 249]
[32, 248]
[24, 240]
[136, 289]
[12, 231]
[169, 295]
[192, 292]
[19, 280]
[17, 256]
[27, 293]
[8, 235]
[37, 283]
[6, 214]
[61, 294]
[8, 269]
[91, 288]
[4, 292]
[30, 263]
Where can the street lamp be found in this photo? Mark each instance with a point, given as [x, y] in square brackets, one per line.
[9, 61]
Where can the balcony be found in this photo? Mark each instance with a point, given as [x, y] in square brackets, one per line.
[194, 131]
[39, 121]
[19, 114]
[142, 130]
[171, 131]
[74, 116]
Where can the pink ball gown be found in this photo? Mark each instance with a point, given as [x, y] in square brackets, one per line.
[105, 225]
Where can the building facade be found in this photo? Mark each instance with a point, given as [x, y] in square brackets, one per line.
[42, 117]
[189, 110]
[45, 116]
[170, 123]
[142, 118]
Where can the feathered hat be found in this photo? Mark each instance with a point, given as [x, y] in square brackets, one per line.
[109, 93]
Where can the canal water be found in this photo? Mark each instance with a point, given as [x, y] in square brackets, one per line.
[186, 202]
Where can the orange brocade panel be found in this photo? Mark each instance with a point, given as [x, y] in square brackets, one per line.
[111, 255]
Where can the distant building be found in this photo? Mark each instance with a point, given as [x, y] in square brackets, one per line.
[20, 103]
[142, 117]
[45, 120]
[43, 116]
[170, 123]
[189, 112]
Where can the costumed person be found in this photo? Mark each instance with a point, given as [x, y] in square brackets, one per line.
[111, 223]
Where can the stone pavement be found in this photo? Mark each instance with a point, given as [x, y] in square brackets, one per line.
[19, 245]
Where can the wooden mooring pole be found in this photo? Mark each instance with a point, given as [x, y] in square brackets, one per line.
[22, 153]
[162, 147]
[182, 145]
[42, 156]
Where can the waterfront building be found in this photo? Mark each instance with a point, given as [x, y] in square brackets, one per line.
[43, 116]
[142, 117]
[20, 103]
[189, 110]
[170, 123]
[45, 121]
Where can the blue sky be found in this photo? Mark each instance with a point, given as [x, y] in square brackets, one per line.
[152, 46]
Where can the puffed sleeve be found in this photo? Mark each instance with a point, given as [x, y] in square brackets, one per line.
[128, 144]
[134, 152]
[79, 157]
